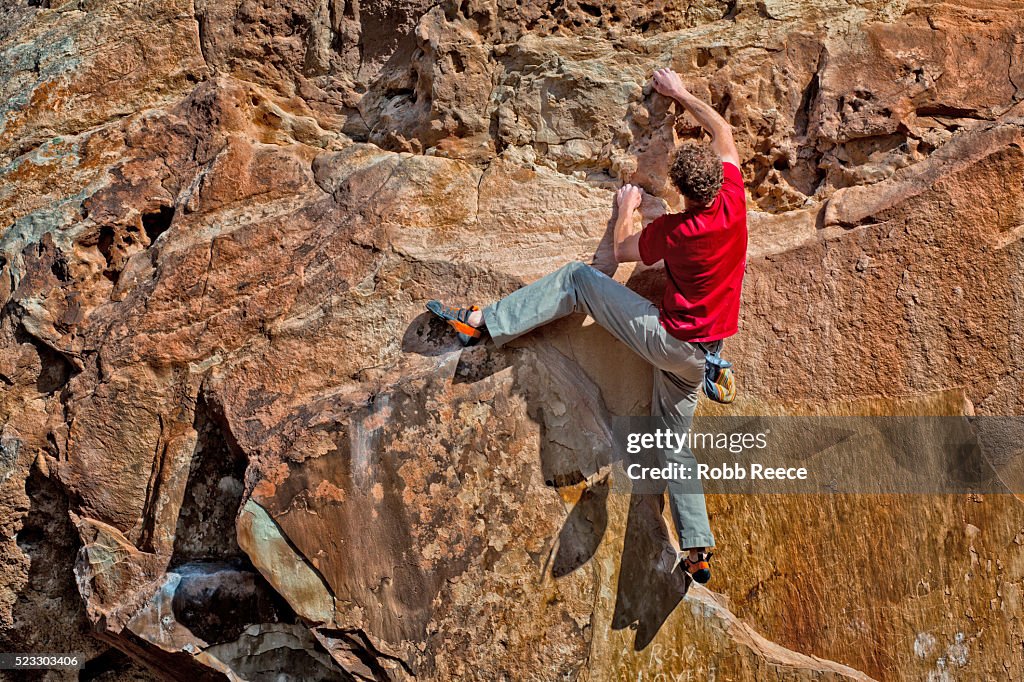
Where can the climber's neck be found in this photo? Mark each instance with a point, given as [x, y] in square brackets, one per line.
[693, 206]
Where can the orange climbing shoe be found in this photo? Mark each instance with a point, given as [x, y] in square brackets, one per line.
[457, 318]
[699, 570]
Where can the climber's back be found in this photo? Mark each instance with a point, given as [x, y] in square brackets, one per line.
[704, 248]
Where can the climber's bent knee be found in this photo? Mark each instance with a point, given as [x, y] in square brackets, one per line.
[579, 272]
[574, 268]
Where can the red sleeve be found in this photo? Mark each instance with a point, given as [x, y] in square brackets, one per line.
[653, 240]
[732, 188]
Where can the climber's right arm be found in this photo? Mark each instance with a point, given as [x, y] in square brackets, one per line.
[668, 83]
[626, 242]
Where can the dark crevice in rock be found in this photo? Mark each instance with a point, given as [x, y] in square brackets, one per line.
[219, 601]
[264, 652]
[157, 222]
[105, 244]
[356, 642]
[49, 616]
[947, 111]
[807, 102]
[201, 37]
[56, 369]
[723, 104]
[221, 594]
[60, 269]
[213, 493]
[112, 662]
[394, 93]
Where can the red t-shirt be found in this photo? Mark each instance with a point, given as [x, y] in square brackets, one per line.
[705, 254]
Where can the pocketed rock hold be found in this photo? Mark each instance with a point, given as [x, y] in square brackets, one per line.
[220, 223]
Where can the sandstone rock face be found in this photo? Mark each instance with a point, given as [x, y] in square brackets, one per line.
[232, 443]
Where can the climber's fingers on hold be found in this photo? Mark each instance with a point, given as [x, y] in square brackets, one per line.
[629, 196]
[667, 82]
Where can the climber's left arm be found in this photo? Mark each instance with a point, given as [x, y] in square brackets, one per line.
[627, 200]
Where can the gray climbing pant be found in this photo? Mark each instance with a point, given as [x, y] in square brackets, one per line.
[631, 318]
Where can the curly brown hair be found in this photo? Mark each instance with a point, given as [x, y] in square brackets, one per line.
[697, 171]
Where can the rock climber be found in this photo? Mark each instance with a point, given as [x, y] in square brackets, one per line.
[704, 253]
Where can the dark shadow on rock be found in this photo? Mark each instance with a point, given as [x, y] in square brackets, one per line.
[213, 493]
[575, 426]
[645, 596]
[576, 446]
[219, 601]
[649, 282]
[365, 658]
[49, 615]
[430, 336]
[220, 593]
[573, 449]
[55, 367]
[112, 664]
[582, 532]
[479, 362]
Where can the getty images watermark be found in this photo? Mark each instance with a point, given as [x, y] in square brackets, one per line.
[677, 464]
[760, 455]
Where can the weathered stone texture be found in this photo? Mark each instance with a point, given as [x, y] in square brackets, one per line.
[232, 442]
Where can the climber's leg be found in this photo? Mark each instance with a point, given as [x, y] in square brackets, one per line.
[674, 398]
[579, 288]
[678, 365]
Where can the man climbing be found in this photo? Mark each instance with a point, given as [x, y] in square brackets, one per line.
[704, 254]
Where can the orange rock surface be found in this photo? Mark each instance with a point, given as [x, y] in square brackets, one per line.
[232, 442]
